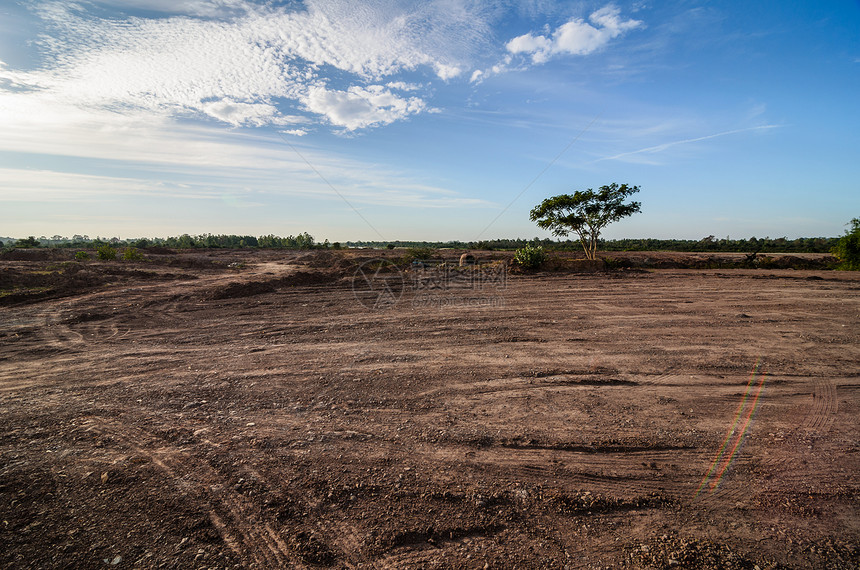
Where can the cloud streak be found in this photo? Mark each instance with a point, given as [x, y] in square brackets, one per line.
[664, 146]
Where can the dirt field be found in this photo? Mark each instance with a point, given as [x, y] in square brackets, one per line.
[253, 410]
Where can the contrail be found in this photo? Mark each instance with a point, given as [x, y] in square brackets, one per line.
[664, 146]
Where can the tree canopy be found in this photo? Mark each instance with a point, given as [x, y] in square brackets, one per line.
[847, 248]
[585, 213]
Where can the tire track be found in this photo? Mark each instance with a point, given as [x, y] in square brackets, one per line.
[644, 471]
[824, 406]
[236, 518]
[410, 559]
[669, 378]
[57, 333]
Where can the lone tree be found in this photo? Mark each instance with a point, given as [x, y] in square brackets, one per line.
[585, 213]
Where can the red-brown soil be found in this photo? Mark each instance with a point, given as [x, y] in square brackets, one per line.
[249, 410]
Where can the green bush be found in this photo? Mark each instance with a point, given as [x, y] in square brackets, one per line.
[530, 257]
[132, 254]
[419, 253]
[106, 253]
[847, 249]
[82, 256]
[613, 263]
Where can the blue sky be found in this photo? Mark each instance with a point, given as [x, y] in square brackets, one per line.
[425, 120]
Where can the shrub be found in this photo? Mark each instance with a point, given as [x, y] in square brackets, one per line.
[530, 257]
[82, 256]
[847, 249]
[614, 263]
[132, 254]
[106, 253]
[419, 253]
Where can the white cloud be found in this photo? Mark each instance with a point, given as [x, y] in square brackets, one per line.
[576, 37]
[529, 43]
[230, 111]
[242, 62]
[445, 71]
[360, 107]
[399, 85]
[208, 8]
[247, 63]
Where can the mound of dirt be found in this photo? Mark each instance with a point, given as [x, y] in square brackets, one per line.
[29, 284]
[240, 289]
[39, 254]
[304, 278]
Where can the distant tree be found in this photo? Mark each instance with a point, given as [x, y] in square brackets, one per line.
[27, 242]
[585, 213]
[847, 249]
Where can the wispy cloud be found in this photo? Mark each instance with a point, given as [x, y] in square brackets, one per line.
[192, 159]
[240, 61]
[664, 146]
[150, 97]
[249, 64]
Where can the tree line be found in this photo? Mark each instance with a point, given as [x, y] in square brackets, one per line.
[185, 241]
[710, 243]
[307, 241]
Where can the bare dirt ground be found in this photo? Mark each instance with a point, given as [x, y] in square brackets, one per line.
[250, 410]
